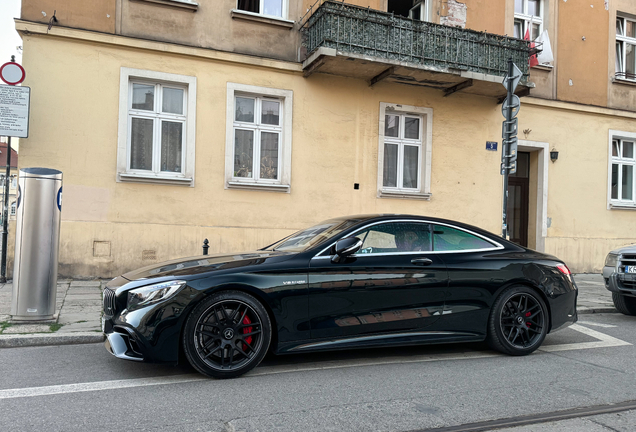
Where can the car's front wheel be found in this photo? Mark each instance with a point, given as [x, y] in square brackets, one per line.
[624, 304]
[227, 334]
[518, 321]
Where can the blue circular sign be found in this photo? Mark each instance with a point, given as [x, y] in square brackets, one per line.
[59, 199]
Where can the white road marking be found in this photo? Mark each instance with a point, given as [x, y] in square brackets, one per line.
[604, 341]
[597, 324]
[99, 385]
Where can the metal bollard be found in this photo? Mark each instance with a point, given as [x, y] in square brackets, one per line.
[205, 246]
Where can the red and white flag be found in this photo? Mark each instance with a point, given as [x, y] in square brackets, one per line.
[532, 61]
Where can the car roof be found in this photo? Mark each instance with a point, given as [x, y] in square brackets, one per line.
[367, 218]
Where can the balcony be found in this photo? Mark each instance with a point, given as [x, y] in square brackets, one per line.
[352, 41]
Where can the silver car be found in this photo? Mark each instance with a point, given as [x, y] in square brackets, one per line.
[619, 273]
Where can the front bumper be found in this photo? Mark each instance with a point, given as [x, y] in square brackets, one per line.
[118, 344]
[623, 283]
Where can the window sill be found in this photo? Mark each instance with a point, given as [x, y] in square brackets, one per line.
[613, 206]
[250, 16]
[180, 4]
[407, 195]
[141, 178]
[258, 186]
[623, 81]
[545, 67]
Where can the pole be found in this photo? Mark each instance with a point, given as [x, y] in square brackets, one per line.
[505, 150]
[5, 216]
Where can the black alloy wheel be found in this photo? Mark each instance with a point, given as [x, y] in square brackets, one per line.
[518, 321]
[227, 334]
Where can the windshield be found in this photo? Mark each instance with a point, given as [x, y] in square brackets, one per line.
[310, 237]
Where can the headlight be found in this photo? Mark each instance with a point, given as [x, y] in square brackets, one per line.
[611, 260]
[150, 294]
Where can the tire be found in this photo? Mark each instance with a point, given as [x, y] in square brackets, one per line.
[518, 321]
[227, 334]
[624, 304]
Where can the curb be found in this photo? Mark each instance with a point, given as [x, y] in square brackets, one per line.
[597, 310]
[43, 339]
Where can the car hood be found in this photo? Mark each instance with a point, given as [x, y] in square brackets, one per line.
[207, 263]
[625, 249]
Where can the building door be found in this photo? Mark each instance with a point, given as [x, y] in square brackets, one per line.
[518, 198]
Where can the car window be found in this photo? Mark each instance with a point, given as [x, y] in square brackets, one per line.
[310, 237]
[451, 239]
[394, 237]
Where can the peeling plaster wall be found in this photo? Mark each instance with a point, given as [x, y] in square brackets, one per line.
[453, 13]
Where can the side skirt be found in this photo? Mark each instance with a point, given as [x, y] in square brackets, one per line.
[378, 340]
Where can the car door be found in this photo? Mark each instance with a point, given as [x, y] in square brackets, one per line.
[475, 272]
[394, 283]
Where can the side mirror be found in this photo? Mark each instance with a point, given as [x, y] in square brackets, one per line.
[345, 247]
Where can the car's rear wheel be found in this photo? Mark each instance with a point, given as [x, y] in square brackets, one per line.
[624, 304]
[227, 334]
[518, 321]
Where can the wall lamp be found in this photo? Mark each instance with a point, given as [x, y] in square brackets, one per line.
[554, 155]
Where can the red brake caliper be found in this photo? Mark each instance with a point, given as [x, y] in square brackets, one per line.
[527, 315]
[247, 330]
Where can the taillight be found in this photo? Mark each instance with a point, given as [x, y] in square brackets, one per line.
[564, 269]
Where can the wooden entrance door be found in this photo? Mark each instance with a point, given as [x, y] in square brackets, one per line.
[518, 198]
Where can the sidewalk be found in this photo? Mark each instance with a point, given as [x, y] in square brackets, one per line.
[79, 308]
[79, 304]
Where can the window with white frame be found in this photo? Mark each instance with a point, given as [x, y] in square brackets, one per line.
[528, 18]
[258, 141]
[625, 48]
[622, 163]
[257, 133]
[13, 208]
[273, 8]
[405, 151]
[156, 127]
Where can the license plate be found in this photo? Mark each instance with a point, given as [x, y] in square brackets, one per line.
[630, 269]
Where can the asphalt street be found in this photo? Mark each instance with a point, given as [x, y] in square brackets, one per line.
[82, 387]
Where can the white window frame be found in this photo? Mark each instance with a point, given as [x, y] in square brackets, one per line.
[13, 209]
[619, 63]
[621, 203]
[526, 18]
[423, 5]
[423, 190]
[261, 7]
[128, 76]
[285, 97]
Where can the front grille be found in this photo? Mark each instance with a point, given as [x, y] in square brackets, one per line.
[109, 302]
[629, 284]
[626, 259]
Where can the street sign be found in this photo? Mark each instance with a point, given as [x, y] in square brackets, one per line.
[491, 145]
[12, 73]
[516, 77]
[516, 104]
[14, 111]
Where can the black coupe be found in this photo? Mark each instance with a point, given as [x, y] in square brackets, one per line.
[351, 282]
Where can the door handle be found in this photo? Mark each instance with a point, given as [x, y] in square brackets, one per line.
[421, 261]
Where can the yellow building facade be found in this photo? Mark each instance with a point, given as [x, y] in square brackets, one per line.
[175, 121]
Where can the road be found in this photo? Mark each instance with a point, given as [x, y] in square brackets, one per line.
[82, 387]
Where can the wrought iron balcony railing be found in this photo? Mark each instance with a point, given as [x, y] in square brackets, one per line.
[384, 36]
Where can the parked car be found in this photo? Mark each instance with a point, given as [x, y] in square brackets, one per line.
[619, 273]
[351, 282]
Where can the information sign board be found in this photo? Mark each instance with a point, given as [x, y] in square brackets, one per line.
[14, 111]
